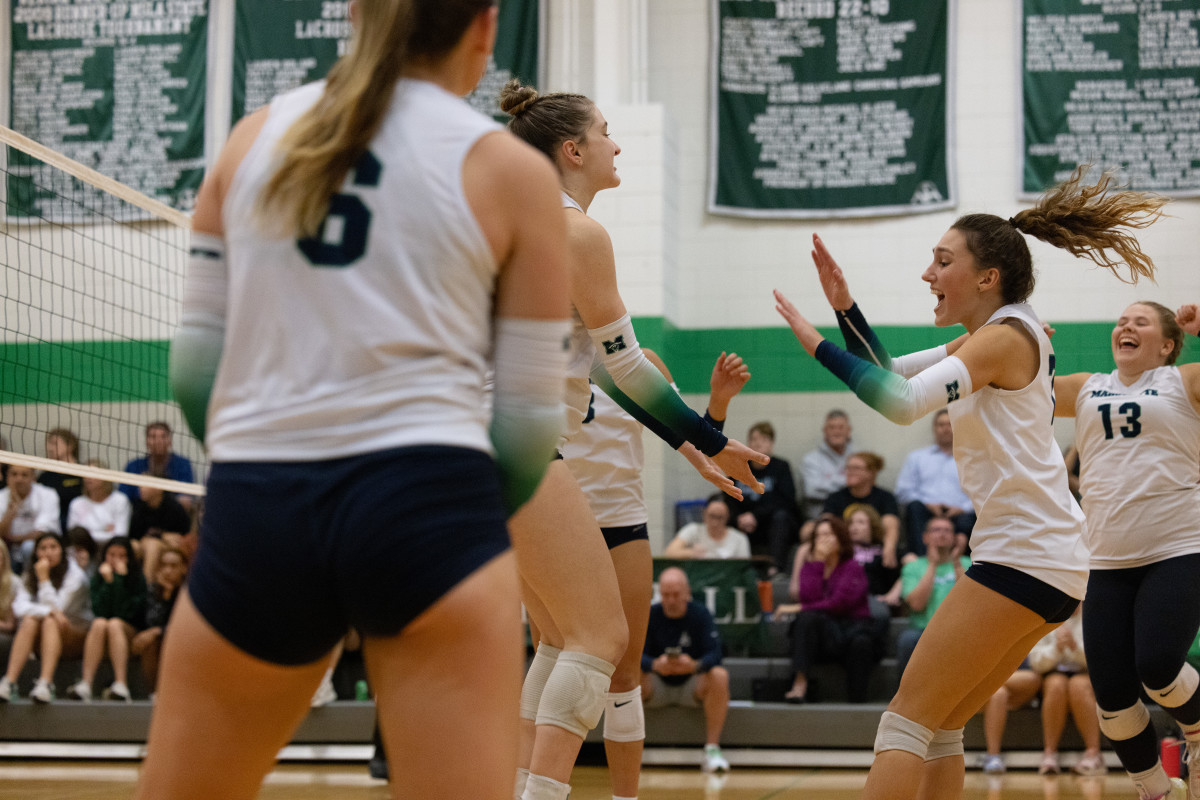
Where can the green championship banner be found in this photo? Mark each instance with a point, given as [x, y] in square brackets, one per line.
[281, 44]
[830, 108]
[116, 86]
[1113, 84]
[728, 588]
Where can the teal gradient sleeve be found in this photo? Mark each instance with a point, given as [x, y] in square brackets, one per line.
[860, 337]
[601, 378]
[198, 344]
[622, 360]
[528, 413]
[902, 400]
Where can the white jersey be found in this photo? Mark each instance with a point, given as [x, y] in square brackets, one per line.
[1139, 447]
[1011, 468]
[379, 335]
[579, 364]
[606, 458]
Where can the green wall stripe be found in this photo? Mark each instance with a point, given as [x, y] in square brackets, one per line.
[97, 372]
[779, 364]
[84, 372]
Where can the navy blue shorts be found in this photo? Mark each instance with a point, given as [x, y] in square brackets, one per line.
[1052, 605]
[294, 554]
[618, 535]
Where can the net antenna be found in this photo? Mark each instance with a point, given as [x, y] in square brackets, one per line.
[92, 276]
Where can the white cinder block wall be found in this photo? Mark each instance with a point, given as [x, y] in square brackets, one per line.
[702, 271]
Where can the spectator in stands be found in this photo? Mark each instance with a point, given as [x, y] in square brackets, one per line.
[926, 580]
[1057, 667]
[833, 617]
[1020, 689]
[104, 512]
[81, 548]
[160, 599]
[866, 532]
[712, 538]
[681, 662]
[1066, 686]
[824, 469]
[325, 693]
[27, 510]
[8, 593]
[62, 445]
[861, 471]
[160, 462]
[118, 592]
[928, 487]
[158, 520]
[52, 609]
[771, 518]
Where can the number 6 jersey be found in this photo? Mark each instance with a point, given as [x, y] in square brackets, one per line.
[1139, 447]
[376, 333]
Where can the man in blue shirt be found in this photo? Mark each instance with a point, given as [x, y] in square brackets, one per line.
[928, 487]
[160, 462]
[681, 661]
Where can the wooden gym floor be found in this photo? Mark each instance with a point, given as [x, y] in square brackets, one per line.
[91, 780]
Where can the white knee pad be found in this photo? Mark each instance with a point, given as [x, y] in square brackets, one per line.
[1179, 691]
[897, 733]
[1124, 724]
[535, 680]
[575, 692]
[945, 743]
[624, 717]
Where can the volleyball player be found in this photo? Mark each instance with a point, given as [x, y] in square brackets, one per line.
[361, 250]
[606, 457]
[1137, 430]
[571, 592]
[1030, 563]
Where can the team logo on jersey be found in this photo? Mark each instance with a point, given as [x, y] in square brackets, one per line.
[951, 391]
[615, 346]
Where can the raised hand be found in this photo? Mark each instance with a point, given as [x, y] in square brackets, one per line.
[807, 334]
[729, 375]
[1188, 317]
[832, 279]
[734, 460]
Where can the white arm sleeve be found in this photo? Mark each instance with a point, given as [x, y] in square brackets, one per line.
[196, 349]
[913, 363]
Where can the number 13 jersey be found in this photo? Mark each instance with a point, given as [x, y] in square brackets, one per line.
[1139, 447]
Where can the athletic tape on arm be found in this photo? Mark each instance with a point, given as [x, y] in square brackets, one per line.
[528, 414]
[196, 349]
[644, 385]
[901, 400]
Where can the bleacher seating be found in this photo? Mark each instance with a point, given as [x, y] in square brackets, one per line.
[828, 723]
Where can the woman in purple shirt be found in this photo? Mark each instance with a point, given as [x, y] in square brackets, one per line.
[833, 616]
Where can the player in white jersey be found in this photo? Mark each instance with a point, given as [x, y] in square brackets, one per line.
[1137, 430]
[1030, 567]
[364, 250]
[606, 457]
[571, 591]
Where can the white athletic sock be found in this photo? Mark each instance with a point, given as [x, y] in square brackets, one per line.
[539, 787]
[1151, 784]
[519, 787]
[617, 797]
[1191, 732]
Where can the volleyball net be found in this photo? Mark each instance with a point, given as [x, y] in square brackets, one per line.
[91, 274]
